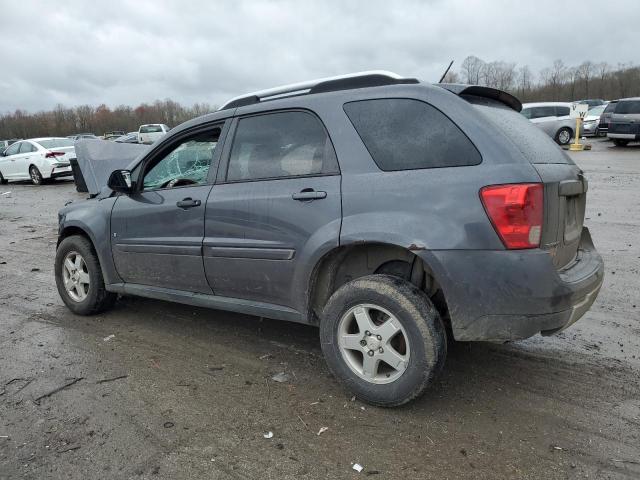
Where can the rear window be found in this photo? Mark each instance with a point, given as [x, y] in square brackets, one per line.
[151, 129]
[535, 145]
[628, 106]
[57, 143]
[405, 134]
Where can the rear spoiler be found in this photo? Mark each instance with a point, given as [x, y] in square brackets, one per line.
[486, 92]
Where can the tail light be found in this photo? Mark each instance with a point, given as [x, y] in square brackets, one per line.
[54, 154]
[516, 212]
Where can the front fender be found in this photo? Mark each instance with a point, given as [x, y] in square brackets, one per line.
[93, 217]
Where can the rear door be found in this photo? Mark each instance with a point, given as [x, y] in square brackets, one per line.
[157, 231]
[25, 158]
[545, 119]
[276, 202]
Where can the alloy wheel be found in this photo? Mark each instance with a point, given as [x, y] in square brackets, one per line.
[75, 276]
[373, 343]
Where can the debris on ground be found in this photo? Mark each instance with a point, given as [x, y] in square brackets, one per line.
[108, 337]
[35, 269]
[168, 424]
[56, 390]
[112, 379]
[322, 430]
[281, 377]
[68, 448]
[357, 467]
[268, 435]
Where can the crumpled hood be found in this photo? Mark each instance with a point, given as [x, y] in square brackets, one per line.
[98, 158]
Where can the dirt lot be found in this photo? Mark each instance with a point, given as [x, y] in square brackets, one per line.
[168, 391]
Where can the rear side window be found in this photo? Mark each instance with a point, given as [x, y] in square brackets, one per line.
[541, 112]
[562, 111]
[628, 107]
[277, 145]
[26, 147]
[405, 134]
[610, 107]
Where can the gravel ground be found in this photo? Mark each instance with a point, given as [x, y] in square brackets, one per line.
[158, 390]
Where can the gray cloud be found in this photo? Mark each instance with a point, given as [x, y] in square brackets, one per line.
[126, 52]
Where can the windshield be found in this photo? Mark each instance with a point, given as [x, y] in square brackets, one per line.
[596, 111]
[56, 143]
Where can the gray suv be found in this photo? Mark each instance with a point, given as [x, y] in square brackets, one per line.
[391, 213]
[624, 126]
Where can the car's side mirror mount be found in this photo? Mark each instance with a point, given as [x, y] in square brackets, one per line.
[120, 181]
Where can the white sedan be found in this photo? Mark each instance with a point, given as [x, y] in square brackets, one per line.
[38, 159]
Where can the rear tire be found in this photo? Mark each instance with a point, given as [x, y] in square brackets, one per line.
[620, 142]
[563, 136]
[36, 176]
[401, 326]
[81, 288]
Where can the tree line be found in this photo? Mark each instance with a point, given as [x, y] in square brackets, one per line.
[559, 82]
[63, 121]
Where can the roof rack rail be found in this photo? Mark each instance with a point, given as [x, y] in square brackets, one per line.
[373, 78]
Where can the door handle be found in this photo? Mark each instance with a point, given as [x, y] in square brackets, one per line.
[308, 194]
[188, 203]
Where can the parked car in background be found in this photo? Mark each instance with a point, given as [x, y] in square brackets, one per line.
[112, 135]
[603, 125]
[592, 121]
[5, 143]
[480, 235]
[624, 126]
[80, 136]
[131, 137]
[553, 118]
[151, 132]
[592, 102]
[38, 159]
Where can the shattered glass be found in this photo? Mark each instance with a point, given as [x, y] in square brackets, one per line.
[190, 161]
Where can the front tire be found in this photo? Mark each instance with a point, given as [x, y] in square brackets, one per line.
[79, 277]
[563, 136]
[3, 181]
[620, 142]
[383, 339]
[36, 176]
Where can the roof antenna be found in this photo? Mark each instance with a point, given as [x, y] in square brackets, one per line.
[445, 72]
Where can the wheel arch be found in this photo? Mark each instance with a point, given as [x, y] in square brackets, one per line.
[348, 262]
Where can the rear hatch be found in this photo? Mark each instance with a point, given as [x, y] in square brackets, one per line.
[626, 117]
[565, 188]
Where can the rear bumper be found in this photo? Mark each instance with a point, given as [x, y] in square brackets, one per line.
[58, 172]
[625, 136]
[515, 294]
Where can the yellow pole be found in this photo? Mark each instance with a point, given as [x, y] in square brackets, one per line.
[576, 145]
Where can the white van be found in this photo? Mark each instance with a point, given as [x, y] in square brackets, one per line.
[151, 132]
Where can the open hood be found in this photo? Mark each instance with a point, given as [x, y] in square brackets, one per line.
[98, 158]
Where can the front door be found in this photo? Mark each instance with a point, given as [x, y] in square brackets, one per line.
[276, 203]
[157, 231]
[8, 164]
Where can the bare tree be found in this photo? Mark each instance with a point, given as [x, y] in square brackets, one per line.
[472, 70]
[585, 71]
[525, 79]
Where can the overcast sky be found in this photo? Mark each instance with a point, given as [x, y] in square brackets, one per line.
[128, 52]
